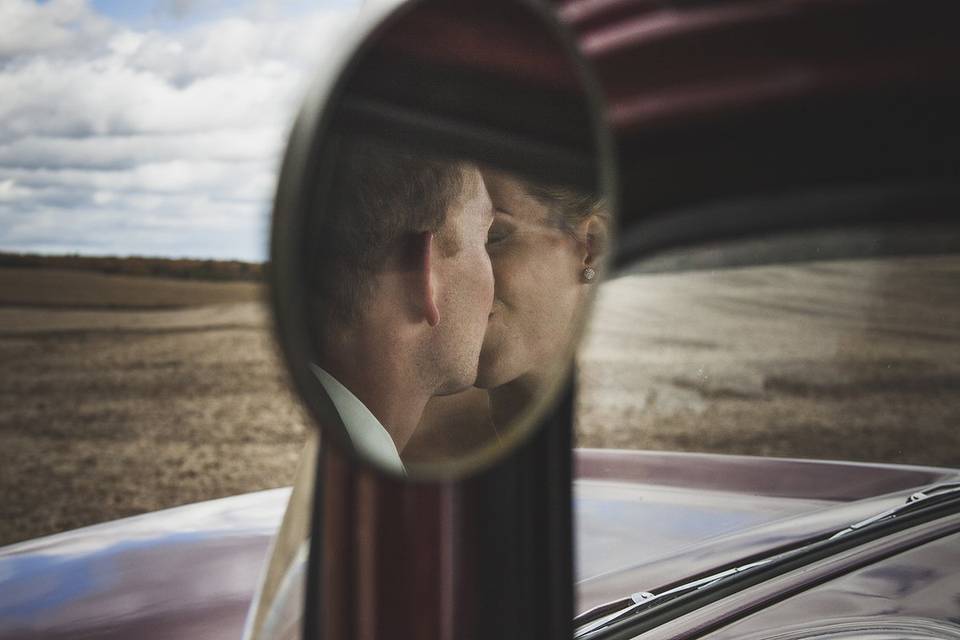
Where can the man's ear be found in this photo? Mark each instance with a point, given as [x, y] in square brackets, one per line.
[594, 233]
[427, 290]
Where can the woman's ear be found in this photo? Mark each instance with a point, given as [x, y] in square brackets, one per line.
[427, 292]
[594, 232]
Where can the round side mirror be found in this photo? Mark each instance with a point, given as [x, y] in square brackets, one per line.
[441, 221]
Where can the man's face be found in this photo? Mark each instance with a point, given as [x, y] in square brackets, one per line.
[464, 285]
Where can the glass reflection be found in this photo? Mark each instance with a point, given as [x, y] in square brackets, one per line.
[444, 298]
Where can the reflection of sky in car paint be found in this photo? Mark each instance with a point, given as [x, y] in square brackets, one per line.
[150, 128]
[621, 525]
[60, 576]
[45, 583]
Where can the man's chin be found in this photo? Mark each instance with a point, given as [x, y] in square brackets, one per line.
[457, 384]
[465, 378]
[489, 374]
[452, 390]
[483, 384]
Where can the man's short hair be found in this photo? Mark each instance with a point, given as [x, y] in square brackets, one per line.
[380, 198]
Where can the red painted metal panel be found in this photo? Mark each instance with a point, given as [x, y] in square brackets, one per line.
[663, 63]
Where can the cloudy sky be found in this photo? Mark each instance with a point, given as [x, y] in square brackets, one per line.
[150, 127]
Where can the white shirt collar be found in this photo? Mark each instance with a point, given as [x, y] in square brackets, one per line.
[369, 438]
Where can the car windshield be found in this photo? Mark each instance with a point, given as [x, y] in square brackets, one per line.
[827, 352]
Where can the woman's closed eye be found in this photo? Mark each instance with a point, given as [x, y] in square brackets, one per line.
[499, 231]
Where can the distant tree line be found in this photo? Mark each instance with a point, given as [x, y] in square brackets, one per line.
[184, 268]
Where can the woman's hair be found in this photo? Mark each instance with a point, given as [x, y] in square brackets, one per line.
[568, 207]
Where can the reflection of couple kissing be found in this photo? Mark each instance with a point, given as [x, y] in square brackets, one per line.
[429, 276]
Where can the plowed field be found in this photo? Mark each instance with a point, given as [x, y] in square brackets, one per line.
[121, 395]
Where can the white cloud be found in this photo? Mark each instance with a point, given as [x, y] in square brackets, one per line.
[115, 130]
[10, 191]
[125, 151]
[56, 27]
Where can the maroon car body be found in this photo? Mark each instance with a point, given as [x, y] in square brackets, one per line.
[644, 519]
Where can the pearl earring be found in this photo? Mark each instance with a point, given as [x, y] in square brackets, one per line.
[589, 274]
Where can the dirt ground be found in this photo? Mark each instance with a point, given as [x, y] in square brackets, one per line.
[838, 360]
[121, 395]
[108, 411]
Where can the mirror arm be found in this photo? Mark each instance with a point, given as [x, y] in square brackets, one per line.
[489, 556]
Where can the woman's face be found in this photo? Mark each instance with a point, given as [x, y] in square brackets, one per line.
[537, 270]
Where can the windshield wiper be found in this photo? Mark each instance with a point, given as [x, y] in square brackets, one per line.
[915, 501]
[611, 612]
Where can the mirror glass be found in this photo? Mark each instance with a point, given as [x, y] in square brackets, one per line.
[440, 227]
